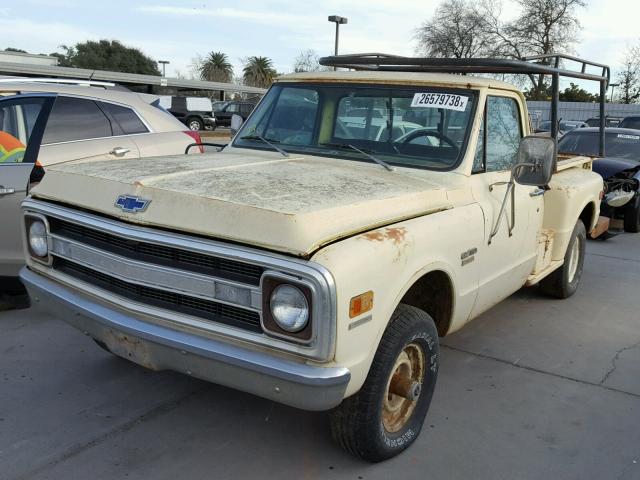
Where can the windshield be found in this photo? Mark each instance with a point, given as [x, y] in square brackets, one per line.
[630, 122]
[219, 106]
[622, 145]
[421, 127]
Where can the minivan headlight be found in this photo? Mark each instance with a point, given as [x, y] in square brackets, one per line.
[37, 237]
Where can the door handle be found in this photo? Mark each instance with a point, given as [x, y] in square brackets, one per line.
[537, 192]
[119, 151]
[6, 191]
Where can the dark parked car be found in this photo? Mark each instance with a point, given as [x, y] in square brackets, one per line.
[620, 169]
[632, 121]
[224, 112]
[195, 112]
[608, 121]
[564, 126]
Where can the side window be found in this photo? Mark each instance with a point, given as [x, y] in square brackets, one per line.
[232, 108]
[17, 121]
[503, 133]
[76, 119]
[127, 119]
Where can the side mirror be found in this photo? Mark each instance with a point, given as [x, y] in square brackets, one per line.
[236, 123]
[536, 161]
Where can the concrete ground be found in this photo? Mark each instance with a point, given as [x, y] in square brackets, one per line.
[534, 389]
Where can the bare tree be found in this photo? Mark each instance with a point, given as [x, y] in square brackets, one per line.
[456, 30]
[541, 28]
[307, 61]
[629, 76]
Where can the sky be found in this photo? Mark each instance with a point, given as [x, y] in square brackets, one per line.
[178, 30]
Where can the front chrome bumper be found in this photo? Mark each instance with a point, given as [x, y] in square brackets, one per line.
[161, 348]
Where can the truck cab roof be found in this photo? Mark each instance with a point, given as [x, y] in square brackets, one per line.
[399, 78]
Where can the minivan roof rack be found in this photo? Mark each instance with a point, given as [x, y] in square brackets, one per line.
[535, 65]
[65, 81]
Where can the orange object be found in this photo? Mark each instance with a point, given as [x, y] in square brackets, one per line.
[361, 304]
[11, 149]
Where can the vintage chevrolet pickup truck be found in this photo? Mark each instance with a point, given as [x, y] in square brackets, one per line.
[355, 218]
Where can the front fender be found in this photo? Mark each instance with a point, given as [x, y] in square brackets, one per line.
[388, 261]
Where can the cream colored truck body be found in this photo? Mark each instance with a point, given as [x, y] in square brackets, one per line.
[371, 229]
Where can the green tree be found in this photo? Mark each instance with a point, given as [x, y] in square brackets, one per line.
[108, 55]
[216, 68]
[574, 93]
[258, 72]
[15, 50]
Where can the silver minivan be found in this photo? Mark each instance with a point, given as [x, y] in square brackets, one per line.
[45, 123]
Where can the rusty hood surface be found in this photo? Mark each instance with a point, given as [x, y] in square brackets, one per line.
[293, 205]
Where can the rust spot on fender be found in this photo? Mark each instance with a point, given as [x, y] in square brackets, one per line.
[374, 236]
[395, 234]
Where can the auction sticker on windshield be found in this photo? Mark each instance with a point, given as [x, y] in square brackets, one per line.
[448, 101]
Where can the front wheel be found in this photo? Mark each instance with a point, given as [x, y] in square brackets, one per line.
[385, 417]
[563, 282]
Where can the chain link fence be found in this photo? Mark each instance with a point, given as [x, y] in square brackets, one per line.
[541, 111]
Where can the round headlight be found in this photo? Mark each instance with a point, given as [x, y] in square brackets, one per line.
[38, 239]
[289, 308]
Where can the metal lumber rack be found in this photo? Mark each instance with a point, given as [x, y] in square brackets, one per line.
[531, 66]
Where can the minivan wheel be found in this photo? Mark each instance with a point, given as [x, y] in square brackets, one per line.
[385, 417]
[194, 124]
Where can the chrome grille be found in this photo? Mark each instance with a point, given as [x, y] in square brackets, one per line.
[159, 254]
[209, 310]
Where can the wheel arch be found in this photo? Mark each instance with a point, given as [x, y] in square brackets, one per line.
[588, 216]
[431, 290]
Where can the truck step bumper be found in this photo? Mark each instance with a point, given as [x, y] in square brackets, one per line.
[161, 348]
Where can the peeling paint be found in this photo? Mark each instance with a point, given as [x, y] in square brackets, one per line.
[396, 235]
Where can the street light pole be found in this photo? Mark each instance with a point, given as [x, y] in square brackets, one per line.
[613, 87]
[164, 64]
[338, 20]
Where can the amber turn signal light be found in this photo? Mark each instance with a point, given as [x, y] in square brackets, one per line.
[361, 304]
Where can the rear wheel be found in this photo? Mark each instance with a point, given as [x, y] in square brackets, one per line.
[386, 415]
[564, 281]
[632, 216]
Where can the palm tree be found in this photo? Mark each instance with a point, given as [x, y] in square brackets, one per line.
[258, 72]
[216, 68]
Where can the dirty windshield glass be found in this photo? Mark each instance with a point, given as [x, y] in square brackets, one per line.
[420, 127]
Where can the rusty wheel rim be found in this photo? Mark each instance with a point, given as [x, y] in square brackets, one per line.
[409, 367]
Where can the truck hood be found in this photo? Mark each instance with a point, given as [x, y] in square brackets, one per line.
[293, 205]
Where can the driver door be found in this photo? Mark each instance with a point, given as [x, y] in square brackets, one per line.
[508, 257]
[22, 121]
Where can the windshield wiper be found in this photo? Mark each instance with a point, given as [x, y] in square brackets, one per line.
[267, 141]
[345, 146]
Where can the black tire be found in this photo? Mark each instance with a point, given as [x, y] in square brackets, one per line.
[559, 284]
[357, 423]
[195, 124]
[632, 216]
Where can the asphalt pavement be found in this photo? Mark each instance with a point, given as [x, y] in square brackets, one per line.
[535, 388]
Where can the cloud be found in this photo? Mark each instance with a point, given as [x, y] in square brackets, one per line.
[41, 37]
[251, 15]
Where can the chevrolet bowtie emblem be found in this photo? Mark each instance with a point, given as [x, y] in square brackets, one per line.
[131, 204]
